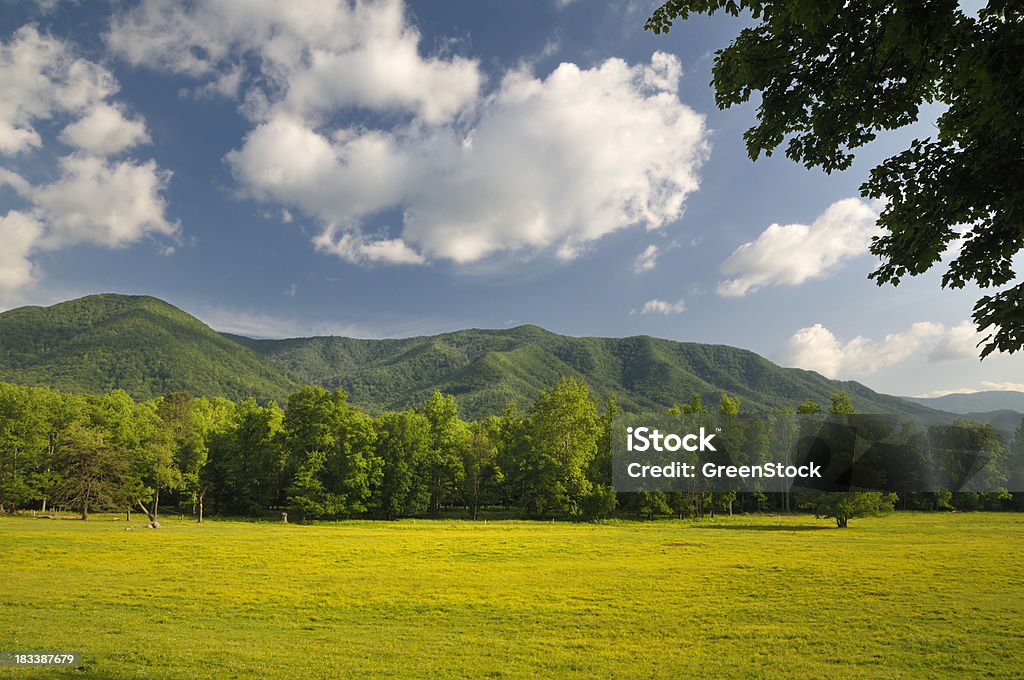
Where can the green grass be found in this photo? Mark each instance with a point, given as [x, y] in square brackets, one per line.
[909, 595]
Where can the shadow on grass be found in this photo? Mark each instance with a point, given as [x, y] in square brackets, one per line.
[765, 527]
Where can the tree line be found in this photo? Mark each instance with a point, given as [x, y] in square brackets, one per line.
[322, 458]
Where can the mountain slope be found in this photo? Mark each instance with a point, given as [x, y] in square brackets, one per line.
[485, 369]
[977, 402]
[148, 347]
[137, 343]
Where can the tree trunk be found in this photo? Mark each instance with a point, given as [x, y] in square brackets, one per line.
[156, 505]
[201, 494]
[44, 505]
[85, 511]
[152, 518]
[128, 515]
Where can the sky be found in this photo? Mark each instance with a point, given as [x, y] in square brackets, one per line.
[389, 169]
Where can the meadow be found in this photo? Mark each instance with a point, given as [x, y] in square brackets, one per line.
[907, 595]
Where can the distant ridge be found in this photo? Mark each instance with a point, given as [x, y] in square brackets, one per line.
[149, 347]
[990, 400]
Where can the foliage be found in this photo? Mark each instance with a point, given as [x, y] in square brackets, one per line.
[845, 505]
[149, 348]
[831, 75]
[326, 459]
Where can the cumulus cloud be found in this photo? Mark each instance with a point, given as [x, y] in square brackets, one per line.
[39, 77]
[93, 199]
[661, 307]
[532, 164]
[103, 203]
[816, 348]
[793, 253]
[105, 130]
[20, 234]
[314, 57]
[545, 164]
[960, 342]
[647, 260]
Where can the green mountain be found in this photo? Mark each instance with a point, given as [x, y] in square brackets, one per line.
[148, 347]
[485, 369]
[136, 343]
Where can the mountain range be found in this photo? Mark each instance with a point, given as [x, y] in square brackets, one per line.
[148, 347]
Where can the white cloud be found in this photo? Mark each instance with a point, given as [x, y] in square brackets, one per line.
[314, 57]
[104, 130]
[20, 234]
[1003, 386]
[793, 253]
[93, 200]
[985, 385]
[647, 260]
[534, 165]
[942, 393]
[359, 249]
[40, 77]
[103, 203]
[816, 348]
[960, 342]
[551, 164]
[262, 325]
[661, 307]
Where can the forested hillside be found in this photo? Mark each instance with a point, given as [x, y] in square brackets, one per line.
[140, 344]
[485, 369]
[147, 347]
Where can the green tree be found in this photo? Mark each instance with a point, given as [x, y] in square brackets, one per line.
[731, 436]
[246, 471]
[1015, 466]
[481, 474]
[403, 443]
[23, 440]
[784, 433]
[831, 75]
[563, 436]
[846, 505]
[449, 438]
[332, 446]
[93, 473]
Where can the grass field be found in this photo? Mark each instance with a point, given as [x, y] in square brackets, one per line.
[909, 595]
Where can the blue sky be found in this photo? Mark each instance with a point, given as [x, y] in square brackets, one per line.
[390, 169]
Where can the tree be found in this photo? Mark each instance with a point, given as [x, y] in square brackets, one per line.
[403, 443]
[94, 474]
[211, 419]
[563, 437]
[480, 472]
[845, 505]
[332, 445]
[841, 404]
[731, 436]
[784, 429]
[23, 441]
[833, 74]
[449, 437]
[1015, 466]
[692, 416]
[245, 473]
